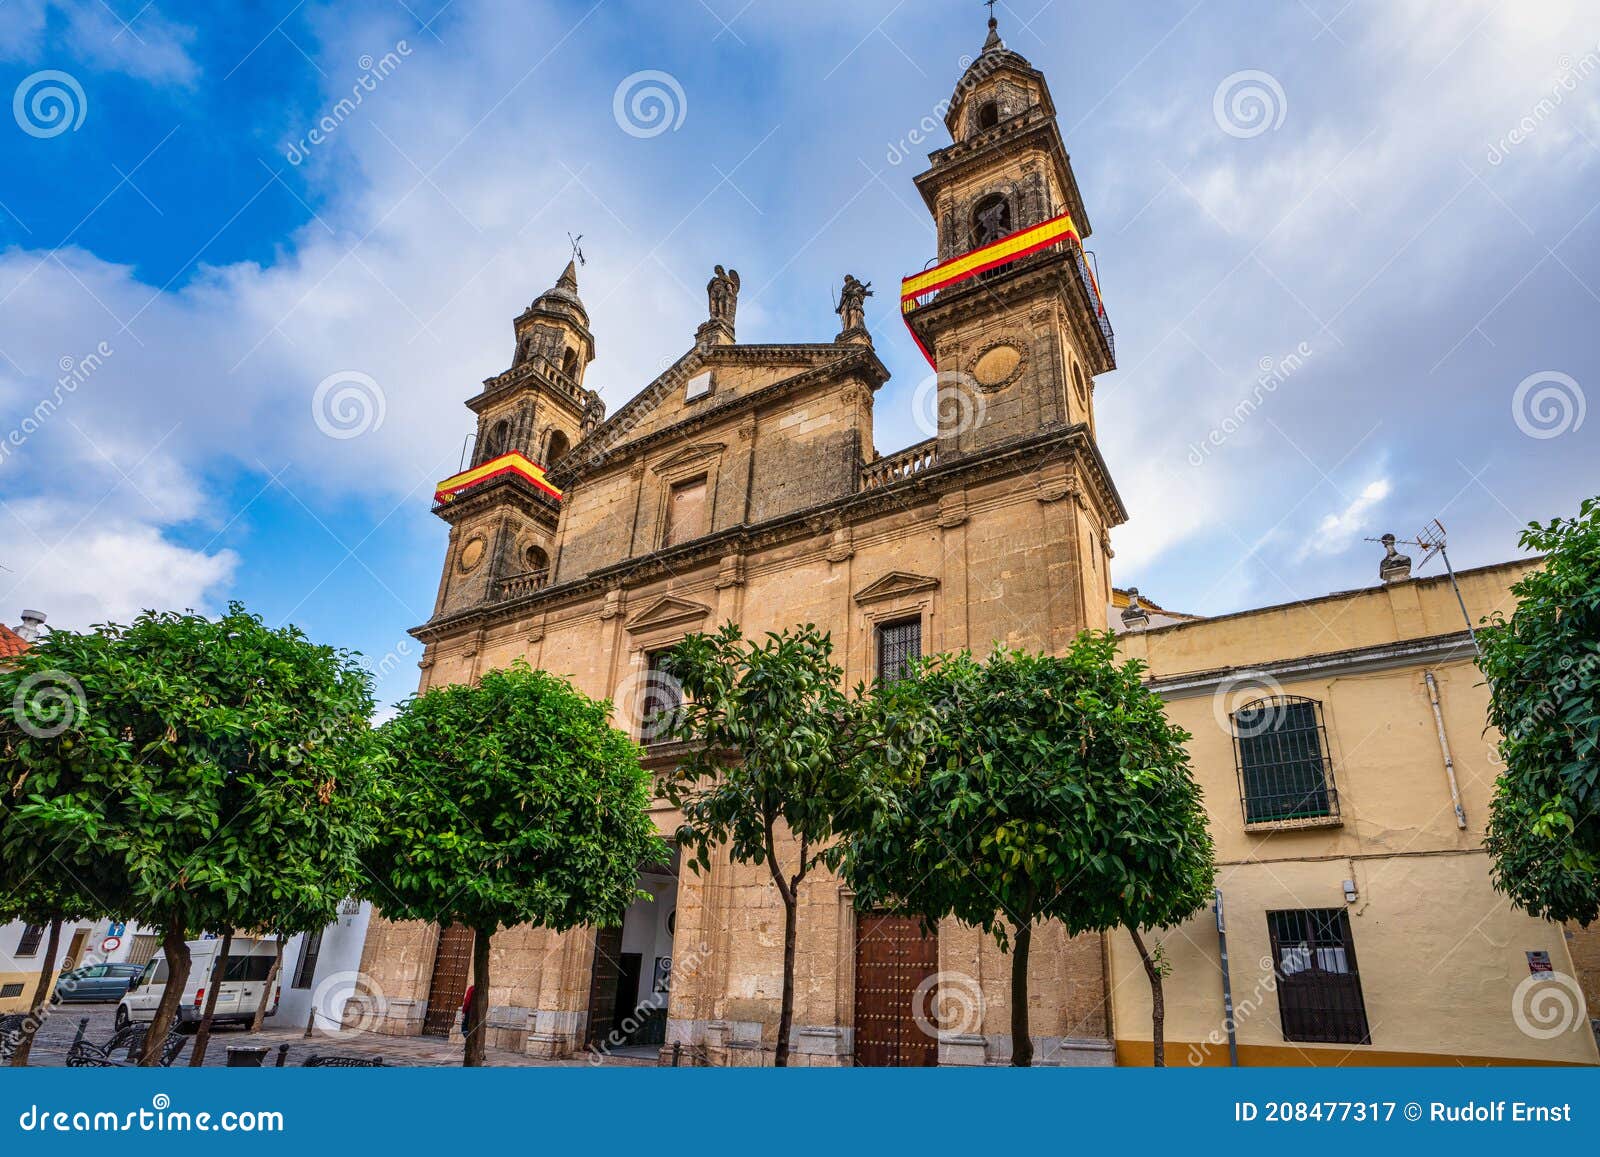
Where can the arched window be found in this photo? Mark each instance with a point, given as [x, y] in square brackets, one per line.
[535, 560]
[1080, 383]
[1284, 771]
[498, 440]
[556, 449]
[569, 363]
[991, 220]
[988, 115]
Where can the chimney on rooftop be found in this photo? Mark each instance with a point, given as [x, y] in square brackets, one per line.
[1395, 567]
[1134, 616]
[32, 624]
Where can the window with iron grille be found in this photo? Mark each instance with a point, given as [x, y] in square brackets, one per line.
[10, 990]
[662, 695]
[309, 951]
[1319, 986]
[898, 644]
[32, 934]
[1284, 771]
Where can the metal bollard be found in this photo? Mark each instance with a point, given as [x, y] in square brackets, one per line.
[311, 1023]
[283, 1055]
[677, 1052]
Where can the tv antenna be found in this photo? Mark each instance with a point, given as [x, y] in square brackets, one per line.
[1431, 540]
[577, 251]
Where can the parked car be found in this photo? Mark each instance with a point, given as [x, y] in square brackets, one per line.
[92, 982]
[249, 964]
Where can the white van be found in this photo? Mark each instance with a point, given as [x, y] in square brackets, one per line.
[249, 963]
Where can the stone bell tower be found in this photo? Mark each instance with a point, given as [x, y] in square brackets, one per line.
[1020, 333]
[503, 525]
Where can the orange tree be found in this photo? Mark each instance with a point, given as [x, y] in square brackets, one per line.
[1543, 666]
[1028, 788]
[768, 727]
[191, 773]
[510, 801]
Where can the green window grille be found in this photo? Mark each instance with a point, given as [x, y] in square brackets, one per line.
[1284, 771]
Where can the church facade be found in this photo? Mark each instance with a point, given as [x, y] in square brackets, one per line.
[744, 485]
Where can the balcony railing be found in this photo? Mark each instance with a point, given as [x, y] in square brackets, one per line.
[523, 584]
[1084, 275]
[895, 467]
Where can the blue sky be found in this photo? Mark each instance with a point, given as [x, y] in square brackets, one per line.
[1398, 200]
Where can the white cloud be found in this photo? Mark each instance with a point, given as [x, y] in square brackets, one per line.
[1338, 531]
[148, 47]
[83, 566]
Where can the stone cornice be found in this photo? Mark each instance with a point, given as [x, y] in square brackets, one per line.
[1070, 447]
[1040, 272]
[1450, 648]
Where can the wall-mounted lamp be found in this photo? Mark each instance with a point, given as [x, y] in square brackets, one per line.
[1350, 893]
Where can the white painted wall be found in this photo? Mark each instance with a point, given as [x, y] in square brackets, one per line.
[337, 973]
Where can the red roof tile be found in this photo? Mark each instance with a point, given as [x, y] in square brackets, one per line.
[11, 643]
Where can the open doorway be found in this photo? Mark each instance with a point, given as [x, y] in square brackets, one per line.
[631, 981]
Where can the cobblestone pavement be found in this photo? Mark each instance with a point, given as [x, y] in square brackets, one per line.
[56, 1036]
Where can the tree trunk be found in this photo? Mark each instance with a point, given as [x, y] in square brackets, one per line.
[780, 1056]
[41, 998]
[1158, 1009]
[1021, 1041]
[266, 993]
[219, 973]
[176, 950]
[478, 1008]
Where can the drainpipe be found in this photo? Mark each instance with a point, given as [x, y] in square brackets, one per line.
[1444, 749]
[1227, 982]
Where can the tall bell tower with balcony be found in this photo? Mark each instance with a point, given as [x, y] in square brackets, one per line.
[1009, 312]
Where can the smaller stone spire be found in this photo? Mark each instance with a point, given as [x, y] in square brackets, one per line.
[569, 278]
[1135, 616]
[994, 29]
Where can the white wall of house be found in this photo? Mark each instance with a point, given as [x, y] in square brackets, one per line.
[18, 969]
[336, 975]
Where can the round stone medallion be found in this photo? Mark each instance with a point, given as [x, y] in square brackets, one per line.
[997, 366]
[472, 553]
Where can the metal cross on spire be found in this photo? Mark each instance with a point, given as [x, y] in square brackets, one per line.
[990, 5]
[577, 250]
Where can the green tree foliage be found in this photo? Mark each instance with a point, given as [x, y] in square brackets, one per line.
[767, 724]
[512, 801]
[1543, 666]
[192, 773]
[1028, 788]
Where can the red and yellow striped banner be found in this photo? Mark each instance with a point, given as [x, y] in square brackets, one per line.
[512, 463]
[996, 253]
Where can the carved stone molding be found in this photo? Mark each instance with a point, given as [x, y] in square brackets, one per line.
[667, 611]
[841, 545]
[731, 573]
[613, 604]
[893, 585]
[952, 510]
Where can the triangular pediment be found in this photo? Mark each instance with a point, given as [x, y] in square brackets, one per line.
[668, 612]
[894, 584]
[687, 455]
